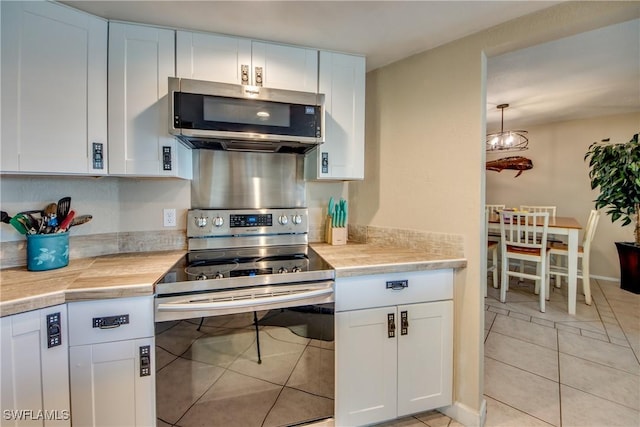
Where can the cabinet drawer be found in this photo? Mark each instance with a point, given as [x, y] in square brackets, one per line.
[354, 293]
[100, 321]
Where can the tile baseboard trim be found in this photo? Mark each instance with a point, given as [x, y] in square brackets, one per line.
[14, 253]
[465, 415]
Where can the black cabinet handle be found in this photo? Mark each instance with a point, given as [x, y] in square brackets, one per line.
[391, 325]
[397, 285]
[404, 323]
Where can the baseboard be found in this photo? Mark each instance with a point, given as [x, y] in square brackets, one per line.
[608, 279]
[465, 415]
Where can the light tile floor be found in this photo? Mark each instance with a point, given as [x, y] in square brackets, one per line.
[541, 369]
[214, 370]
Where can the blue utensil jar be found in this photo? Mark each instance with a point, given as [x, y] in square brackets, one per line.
[47, 251]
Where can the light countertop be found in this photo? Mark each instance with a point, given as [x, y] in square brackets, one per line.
[108, 276]
[134, 274]
[357, 259]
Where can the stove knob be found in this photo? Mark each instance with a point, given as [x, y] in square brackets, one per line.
[283, 220]
[218, 276]
[201, 276]
[296, 219]
[296, 269]
[283, 270]
[218, 221]
[201, 221]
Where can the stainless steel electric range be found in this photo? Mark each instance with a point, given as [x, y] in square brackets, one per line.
[244, 321]
[241, 261]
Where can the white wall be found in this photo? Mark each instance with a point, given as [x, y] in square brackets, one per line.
[560, 178]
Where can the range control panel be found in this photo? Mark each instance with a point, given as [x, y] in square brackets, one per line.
[224, 222]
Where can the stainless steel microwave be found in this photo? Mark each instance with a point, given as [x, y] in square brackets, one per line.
[244, 118]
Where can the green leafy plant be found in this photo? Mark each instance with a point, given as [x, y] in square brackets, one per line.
[615, 169]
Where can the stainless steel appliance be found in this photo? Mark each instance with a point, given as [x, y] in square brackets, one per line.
[241, 261]
[244, 118]
[245, 320]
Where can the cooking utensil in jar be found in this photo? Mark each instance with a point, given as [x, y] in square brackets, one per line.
[64, 225]
[82, 219]
[30, 223]
[51, 212]
[5, 217]
[19, 226]
[64, 205]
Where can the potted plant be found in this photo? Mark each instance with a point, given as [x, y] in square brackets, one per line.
[615, 169]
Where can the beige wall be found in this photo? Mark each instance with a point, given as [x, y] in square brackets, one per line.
[425, 157]
[560, 178]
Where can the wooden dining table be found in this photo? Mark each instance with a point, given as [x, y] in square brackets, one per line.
[561, 226]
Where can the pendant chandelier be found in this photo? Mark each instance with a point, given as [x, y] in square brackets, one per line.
[507, 140]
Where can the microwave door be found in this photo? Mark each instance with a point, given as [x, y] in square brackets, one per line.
[226, 117]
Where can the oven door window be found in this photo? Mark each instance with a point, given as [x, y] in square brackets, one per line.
[218, 113]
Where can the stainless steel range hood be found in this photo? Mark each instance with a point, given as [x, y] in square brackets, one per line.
[228, 117]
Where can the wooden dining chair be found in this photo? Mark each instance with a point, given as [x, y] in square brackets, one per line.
[551, 210]
[524, 238]
[561, 252]
[552, 214]
[494, 210]
[492, 249]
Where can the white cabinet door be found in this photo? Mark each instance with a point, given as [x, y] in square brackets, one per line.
[141, 59]
[425, 357]
[211, 57]
[35, 377]
[366, 363]
[107, 388]
[217, 58]
[54, 93]
[286, 67]
[341, 156]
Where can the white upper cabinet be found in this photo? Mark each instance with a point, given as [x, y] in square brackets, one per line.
[341, 156]
[54, 90]
[237, 60]
[141, 59]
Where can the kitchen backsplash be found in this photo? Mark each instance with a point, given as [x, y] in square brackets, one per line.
[428, 241]
[13, 254]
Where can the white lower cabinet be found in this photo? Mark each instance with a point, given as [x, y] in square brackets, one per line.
[395, 357]
[111, 358]
[34, 367]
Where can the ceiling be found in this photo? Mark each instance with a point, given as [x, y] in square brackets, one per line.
[591, 74]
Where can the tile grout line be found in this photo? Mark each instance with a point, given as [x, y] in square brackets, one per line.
[542, 322]
[559, 377]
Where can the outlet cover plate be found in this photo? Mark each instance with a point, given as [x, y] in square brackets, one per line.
[169, 217]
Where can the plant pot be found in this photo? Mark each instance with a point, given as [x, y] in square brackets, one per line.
[629, 254]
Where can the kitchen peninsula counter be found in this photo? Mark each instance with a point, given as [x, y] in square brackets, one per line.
[357, 259]
[107, 276]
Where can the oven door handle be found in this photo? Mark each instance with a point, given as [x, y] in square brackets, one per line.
[213, 305]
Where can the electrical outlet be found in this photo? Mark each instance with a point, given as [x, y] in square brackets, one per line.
[169, 216]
